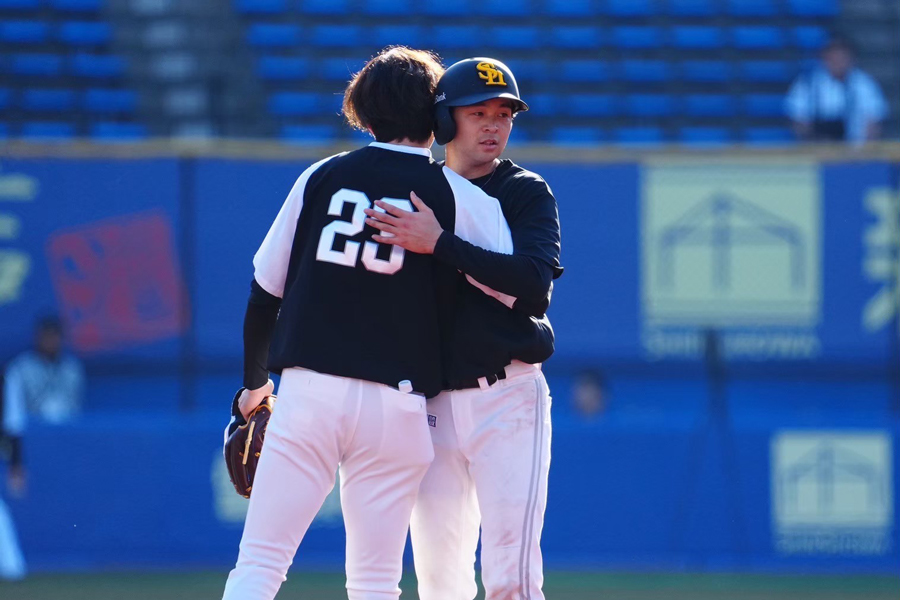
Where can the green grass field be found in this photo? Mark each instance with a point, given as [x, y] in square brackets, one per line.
[559, 586]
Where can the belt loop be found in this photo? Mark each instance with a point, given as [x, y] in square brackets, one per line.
[483, 383]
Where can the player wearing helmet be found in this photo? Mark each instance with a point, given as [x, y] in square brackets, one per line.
[491, 427]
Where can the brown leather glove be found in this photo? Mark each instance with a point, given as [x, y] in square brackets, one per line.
[244, 441]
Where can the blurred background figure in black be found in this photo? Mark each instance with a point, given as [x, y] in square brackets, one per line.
[836, 101]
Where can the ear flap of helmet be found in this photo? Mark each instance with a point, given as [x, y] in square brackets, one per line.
[444, 125]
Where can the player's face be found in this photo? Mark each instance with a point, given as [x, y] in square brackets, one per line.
[482, 130]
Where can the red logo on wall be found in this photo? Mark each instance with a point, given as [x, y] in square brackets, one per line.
[118, 281]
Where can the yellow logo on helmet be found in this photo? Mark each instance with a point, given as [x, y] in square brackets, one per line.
[490, 73]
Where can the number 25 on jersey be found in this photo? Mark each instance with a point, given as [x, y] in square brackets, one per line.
[350, 254]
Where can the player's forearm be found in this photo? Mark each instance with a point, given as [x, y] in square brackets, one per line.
[259, 323]
[522, 277]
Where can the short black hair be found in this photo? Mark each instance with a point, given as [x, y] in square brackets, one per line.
[839, 42]
[49, 324]
[393, 95]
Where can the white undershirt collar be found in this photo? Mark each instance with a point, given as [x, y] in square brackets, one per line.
[398, 148]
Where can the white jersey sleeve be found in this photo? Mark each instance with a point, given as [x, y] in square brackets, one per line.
[270, 263]
[480, 221]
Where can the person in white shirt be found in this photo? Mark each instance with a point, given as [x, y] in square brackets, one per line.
[836, 101]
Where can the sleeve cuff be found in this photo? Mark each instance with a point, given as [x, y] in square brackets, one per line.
[443, 249]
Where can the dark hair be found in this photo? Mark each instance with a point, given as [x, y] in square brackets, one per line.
[394, 95]
[49, 324]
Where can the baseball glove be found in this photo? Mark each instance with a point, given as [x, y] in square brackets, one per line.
[243, 442]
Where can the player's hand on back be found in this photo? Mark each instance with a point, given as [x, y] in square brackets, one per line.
[414, 231]
[250, 399]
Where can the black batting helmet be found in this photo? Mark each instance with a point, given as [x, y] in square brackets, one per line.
[468, 82]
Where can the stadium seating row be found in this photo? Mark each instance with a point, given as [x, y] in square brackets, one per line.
[299, 69]
[94, 100]
[528, 37]
[50, 130]
[77, 6]
[72, 33]
[561, 8]
[579, 105]
[94, 66]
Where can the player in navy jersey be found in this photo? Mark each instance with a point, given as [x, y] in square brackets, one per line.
[491, 429]
[355, 327]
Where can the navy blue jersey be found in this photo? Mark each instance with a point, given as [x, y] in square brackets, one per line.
[488, 334]
[355, 308]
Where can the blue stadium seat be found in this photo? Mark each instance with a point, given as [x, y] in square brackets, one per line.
[5, 98]
[500, 8]
[709, 105]
[47, 131]
[294, 104]
[767, 71]
[545, 105]
[764, 105]
[457, 36]
[758, 38]
[388, 7]
[639, 135]
[584, 71]
[706, 71]
[99, 100]
[629, 37]
[97, 66]
[698, 37]
[814, 8]
[308, 134]
[282, 68]
[592, 105]
[577, 135]
[704, 135]
[23, 32]
[273, 35]
[118, 132]
[85, 33]
[767, 135]
[77, 5]
[752, 8]
[513, 36]
[48, 100]
[442, 8]
[19, 4]
[261, 7]
[632, 8]
[645, 71]
[325, 7]
[337, 36]
[693, 8]
[649, 105]
[580, 37]
[38, 65]
[810, 37]
[409, 35]
[4, 131]
[339, 69]
[527, 69]
[569, 8]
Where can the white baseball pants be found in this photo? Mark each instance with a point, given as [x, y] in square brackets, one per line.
[492, 459]
[379, 436]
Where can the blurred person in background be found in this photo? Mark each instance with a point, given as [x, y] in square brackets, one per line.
[589, 394]
[836, 101]
[45, 383]
[12, 564]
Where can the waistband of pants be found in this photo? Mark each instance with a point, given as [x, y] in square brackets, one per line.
[513, 369]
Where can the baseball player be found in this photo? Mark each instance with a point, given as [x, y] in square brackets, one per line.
[491, 428]
[355, 327]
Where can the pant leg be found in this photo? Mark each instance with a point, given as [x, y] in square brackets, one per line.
[445, 518]
[295, 474]
[380, 476]
[510, 463]
[12, 564]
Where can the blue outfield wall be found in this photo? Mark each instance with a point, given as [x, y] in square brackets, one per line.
[793, 263]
